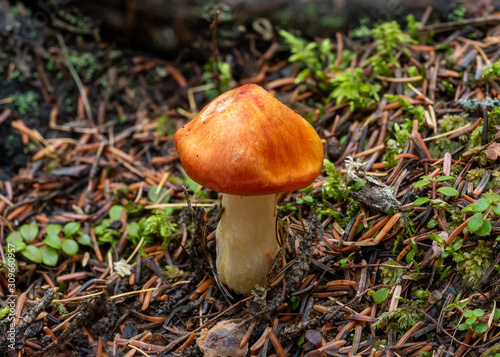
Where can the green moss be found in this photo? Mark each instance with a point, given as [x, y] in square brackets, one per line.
[475, 175]
[389, 275]
[475, 265]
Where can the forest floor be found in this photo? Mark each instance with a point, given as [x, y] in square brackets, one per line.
[108, 248]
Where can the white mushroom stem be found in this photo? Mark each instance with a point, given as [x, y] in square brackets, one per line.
[246, 232]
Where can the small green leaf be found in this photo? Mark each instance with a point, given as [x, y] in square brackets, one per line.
[468, 313]
[471, 320]
[18, 245]
[467, 209]
[480, 327]
[115, 213]
[481, 205]
[299, 201]
[191, 184]
[475, 222]
[496, 315]
[85, 239]
[53, 229]
[448, 191]
[32, 253]
[496, 209]
[29, 232]
[444, 178]
[432, 223]
[308, 199]
[49, 256]
[478, 312]
[421, 183]
[463, 327]
[14, 236]
[380, 295]
[71, 228]
[154, 197]
[427, 178]
[485, 229]
[70, 247]
[420, 201]
[133, 229]
[53, 240]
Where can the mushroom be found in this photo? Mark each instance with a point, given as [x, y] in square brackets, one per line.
[248, 146]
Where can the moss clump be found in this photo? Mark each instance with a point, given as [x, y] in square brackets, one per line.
[475, 175]
[440, 146]
[389, 275]
[475, 265]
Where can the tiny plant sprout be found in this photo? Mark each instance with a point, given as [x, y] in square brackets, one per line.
[249, 146]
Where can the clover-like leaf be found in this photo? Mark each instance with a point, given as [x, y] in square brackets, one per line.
[53, 229]
[70, 247]
[49, 256]
[480, 327]
[85, 239]
[484, 230]
[475, 222]
[32, 253]
[29, 232]
[71, 228]
[53, 240]
[18, 245]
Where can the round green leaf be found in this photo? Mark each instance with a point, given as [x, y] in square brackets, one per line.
[480, 327]
[115, 213]
[478, 312]
[18, 245]
[133, 229]
[380, 295]
[481, 205]
[71, 228]
[463, 327]
[485, 229]
[420, 201]
[32, 253]
[84, 239]
[70, 247]
[14, 236]
[496, 209]
[53, 229]
[29, 232]
[154, 197]
[468, 313]
[475, 222]
[53, 240]
[448, 191]
[421, 183]
[49, 256]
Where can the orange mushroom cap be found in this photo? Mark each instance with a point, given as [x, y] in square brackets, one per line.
[245, 142]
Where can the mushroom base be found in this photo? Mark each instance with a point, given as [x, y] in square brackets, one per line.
[246, 232]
